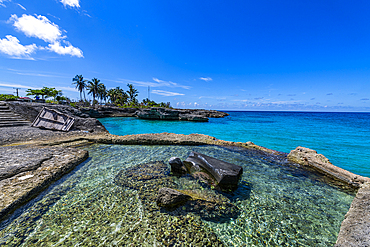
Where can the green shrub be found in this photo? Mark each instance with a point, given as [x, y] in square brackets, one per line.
[8, 97]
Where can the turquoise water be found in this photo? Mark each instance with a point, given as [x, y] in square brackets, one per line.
[342, 137]
[279, 204]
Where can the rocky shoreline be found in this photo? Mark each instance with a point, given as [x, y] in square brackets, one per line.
[49, 158]
[154, 113]
[26, 171]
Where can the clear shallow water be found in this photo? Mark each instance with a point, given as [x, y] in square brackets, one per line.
[279, 204]
[342, 137]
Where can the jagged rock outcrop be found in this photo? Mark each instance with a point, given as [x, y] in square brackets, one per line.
[216, 173]
[309, 157]
[160, 113]
[83, 121]
[109, 111]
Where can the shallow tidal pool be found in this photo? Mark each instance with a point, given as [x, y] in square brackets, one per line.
[278, 204]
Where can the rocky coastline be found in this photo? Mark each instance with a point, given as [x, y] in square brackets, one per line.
[50, 154]
[85, 117]
[154, 113]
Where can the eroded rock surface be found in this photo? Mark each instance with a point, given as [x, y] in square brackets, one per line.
[225, 175]
[309, 157]
[25, 172]
[355, 228]
[159, 113]
[83, 121]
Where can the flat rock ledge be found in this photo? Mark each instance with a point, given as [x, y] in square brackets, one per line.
[25, 172]
[149, 139]
[308, 157]
[355, 228]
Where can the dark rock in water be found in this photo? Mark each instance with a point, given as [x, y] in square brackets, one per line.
[152, 177]
[148, 179]
[177, 167]
[160, 113]
[226, 175]
[170, 198]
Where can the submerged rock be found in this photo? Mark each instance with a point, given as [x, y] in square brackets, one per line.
[221, 174]
[177, 167]
[186, 227]
[170, 198]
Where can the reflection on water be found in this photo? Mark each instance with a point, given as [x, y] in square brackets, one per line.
[278, 203]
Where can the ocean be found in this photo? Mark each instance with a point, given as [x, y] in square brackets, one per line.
[342, 137]
[277, 203]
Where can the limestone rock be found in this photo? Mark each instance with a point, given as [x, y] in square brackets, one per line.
[25, 172]
[83, 121]
[160, 113]
[226, 175]
[177, 167]
[170, 198]
[109, 111]
[355, 228]
[309, 157]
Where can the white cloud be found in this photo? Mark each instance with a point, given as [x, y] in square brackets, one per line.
[39, 27]
[71, 89]
[11, 46]
[2, 3]
[65, 50]
[157, 83]
[169, 83]
[206, 78]
[21, 6]
[71, 3]
[166, 93]
[15, 85]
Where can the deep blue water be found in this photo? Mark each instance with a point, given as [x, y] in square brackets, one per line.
[344, 138]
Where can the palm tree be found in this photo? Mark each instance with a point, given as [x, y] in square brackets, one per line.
[93, 87]
[102, 93]
[80, 84]
[117, 96]
[132, 94]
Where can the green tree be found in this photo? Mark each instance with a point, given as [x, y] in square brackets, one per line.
[102, 92]
[132, 94]
[45, 92]
[80, 83]
[117, 96]
[93, 87]
[54, 93]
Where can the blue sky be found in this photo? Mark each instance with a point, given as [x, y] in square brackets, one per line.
[240, 55]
